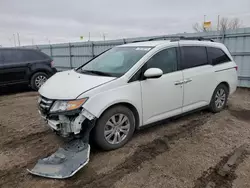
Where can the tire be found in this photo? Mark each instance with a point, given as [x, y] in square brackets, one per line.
[34, 81]
[109, 124]
[219, 98]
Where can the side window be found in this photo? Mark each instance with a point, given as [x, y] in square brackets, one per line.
[30, 55]
[166, 60]
[11, 56]
[216, 56]
[193, 56]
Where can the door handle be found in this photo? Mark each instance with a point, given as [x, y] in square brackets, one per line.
[178, 83]
[187, 80]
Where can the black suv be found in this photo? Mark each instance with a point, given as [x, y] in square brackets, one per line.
[24, 66]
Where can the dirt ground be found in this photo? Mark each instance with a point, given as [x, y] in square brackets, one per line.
[180, 153]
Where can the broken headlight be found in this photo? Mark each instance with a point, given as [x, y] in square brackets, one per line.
[61, 106]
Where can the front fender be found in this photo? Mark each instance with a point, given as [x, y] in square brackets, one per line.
[130, 93]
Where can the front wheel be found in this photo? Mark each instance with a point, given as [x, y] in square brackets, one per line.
[37, 80]
[114, 128]
[219, 98]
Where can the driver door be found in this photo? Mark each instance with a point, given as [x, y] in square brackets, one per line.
[162, 97]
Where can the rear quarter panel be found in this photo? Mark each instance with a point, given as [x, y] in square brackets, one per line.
[227, 72]
[41, 65]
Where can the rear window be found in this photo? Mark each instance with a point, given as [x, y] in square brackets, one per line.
[217, 56]
[32, 55]
[17, 55]
[193, 56]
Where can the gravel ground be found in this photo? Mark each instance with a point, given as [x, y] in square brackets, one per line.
[182, 152]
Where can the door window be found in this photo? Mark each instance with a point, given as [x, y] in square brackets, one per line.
[11, 56]
[216, 56]
[166, 60]
[193, 56]
[31, 55]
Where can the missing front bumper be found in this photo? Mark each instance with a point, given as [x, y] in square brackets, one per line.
[66, 125]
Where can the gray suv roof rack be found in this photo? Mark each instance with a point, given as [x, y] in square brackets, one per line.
[175, 38]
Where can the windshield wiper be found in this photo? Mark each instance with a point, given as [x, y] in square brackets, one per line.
[97, 72]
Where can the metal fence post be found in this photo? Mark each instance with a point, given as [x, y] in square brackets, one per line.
[223, 38]
[92, 50]
[70, 57]
[50, 48]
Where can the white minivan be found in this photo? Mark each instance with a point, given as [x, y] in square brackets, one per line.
[136, 84]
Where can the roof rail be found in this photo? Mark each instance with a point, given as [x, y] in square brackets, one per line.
[157, 38]
[175, 38]
[178, 38]
[152, 39]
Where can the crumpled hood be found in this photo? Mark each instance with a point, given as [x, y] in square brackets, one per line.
[70, 84]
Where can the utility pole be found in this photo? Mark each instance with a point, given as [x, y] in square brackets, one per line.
[10, 41]
[14, 39]
[218, 23]
[104, 36]
[89, 36]
[18, 39]
[204, 22]
[47, 39]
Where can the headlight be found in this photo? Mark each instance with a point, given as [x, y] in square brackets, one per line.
[61, 106]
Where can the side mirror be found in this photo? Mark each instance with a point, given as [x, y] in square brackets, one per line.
[153, 73]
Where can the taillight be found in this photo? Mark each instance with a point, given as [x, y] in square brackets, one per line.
[52, 63]
[236, 68]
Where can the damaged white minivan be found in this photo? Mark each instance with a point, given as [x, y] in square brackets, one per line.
[126, 88]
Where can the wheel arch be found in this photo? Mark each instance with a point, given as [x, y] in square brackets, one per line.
[226, 84]
[129, 106]
[36, 71]
[221, 83]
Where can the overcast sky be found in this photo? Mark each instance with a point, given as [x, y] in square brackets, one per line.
[66, 20]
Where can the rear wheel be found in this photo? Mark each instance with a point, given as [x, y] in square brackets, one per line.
[37, 80]
[219, 98]
[114, 128]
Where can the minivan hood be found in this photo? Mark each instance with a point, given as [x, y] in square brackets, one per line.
[70, 84]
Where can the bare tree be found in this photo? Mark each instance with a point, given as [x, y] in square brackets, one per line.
[224, 24]
[235, 23]
[198, 28]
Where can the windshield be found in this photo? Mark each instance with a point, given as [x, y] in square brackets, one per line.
[114, 62]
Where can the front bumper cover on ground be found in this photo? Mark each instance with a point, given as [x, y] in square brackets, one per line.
[68, 160]
[65, 162]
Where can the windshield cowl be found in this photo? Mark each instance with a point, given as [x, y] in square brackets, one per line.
[93, 72]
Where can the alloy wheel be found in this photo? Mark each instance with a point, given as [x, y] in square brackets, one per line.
[117, 128]
[40, 80]
[220, 98]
